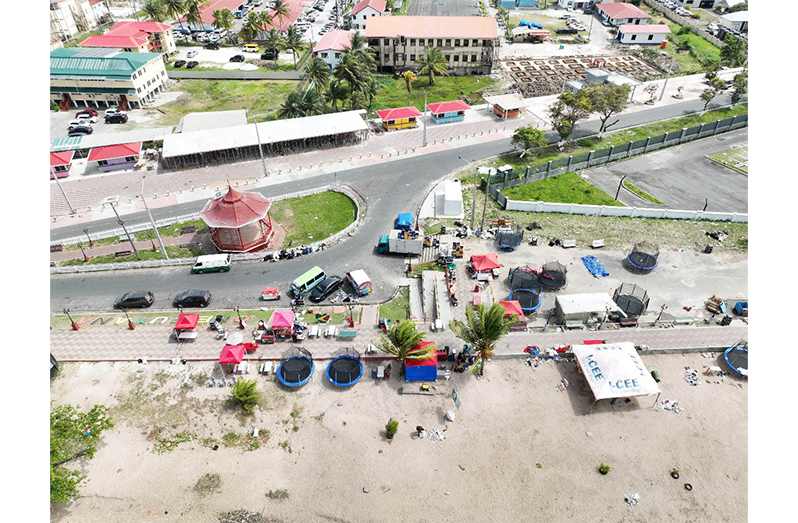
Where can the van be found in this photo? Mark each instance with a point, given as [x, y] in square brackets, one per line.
[250, 48]
[212, 263]
[308, 281]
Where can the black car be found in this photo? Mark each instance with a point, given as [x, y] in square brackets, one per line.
[179, 63]
[325, 288]
[81, 129]
[134, 299]
[270, 54]
[567, 31]
[238, 58]
[116, 118]
[213, 46]
[192, 64]
[193, 298]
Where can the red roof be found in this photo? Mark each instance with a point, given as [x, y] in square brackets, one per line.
[235, 209]
[61, 158]
[133, 28]
[334, 41]
[110, 152]
[377, 5]
[295, 8]
[448, 107]
[645, 29]
[187, 321]
[114, 41]
[512, 308]
[396, 114]
[432, 361]
[432, 27]
[485, 262]
[206, 13]
[126, 34]
[622, 10]
[232, 354]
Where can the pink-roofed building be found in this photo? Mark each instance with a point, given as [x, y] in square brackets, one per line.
[115, 157]
[621, 13]
[646, 34]
[365, 10]
[332, 46]
[295, 8]
[469, 44]
[135, 37]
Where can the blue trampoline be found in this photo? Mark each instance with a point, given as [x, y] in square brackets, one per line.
[296, 367]
[508, 241]
[736, 357]
[345, 369]
[525, 288]
[643, 259]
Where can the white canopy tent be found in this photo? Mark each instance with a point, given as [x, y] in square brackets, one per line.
[585, 307]
[615, 371]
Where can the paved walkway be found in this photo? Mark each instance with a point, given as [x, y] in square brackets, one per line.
[103, 250]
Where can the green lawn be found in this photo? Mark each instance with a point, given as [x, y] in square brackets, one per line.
[641, 193]
[397, 309]
[258, 96]
[701, 51]
[736, 159]
[315, 217]
[146, 254]
[565, 188]
[393, 92]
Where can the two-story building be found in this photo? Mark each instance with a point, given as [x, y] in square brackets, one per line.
[135, 37]
[470, 44]
[703, 4]
[622, 14]
[332, 46]
[69, 18]
[91, 77]
[364, 10]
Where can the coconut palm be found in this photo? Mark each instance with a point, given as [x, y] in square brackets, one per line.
[433, 63]
[246, 394]
[194, 11]
[280, 10]
[358, 40]
[482, 329]
[155, 10]
[293, 41]
[336, 92]
[369, 90]
[318, 73]
[252, 27]
[223, 19]
[273, 40]
[313, 103]
[400, 340]
[409, 76]
[292, 106]
[350, 69]
[174, 9]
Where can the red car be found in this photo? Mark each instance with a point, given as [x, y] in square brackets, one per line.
[90, 112]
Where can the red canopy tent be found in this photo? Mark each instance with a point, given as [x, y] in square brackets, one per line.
[485, 262]
[232, 354]
[283, 323]
[186, 321]
[512, 308]
[422, 370]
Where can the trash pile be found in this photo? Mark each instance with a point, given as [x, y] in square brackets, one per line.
[691, 377]
[435, 434]
[632, 499]
[718, 236]
[562, 386]
[667, 404]
[243, 516]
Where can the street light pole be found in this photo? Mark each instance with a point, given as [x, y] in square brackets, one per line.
[118, 219]
[485, 205]
[152, 221]
[260, 148]
[425, 118]
[85, 258]
[670, 67]
[86, 232]
[55, 175]
[618, 192]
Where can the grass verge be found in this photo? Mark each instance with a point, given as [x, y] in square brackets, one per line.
[393, 92]
[736, 159]
[565, 188]
[641, 193]
[146, 254]
[315, 217]
[398, 308]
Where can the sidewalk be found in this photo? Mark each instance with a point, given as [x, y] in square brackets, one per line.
[142, 245]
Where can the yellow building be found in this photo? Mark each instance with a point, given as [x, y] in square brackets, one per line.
[401, 118]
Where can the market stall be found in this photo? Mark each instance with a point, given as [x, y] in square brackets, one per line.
[283, 324]
[185, 325]
[615, 371]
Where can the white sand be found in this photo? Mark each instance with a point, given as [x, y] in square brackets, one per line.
[509, 421]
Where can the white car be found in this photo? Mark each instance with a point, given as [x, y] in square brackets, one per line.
[77, 123]
[87, 118]
[113, 110]
[191, 54]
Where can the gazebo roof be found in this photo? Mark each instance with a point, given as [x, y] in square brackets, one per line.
[235, 209]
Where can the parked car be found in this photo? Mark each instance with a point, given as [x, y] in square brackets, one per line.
[116, 118]
[179, 63]
[193, 298]
[192, 64]
[134, 299]
[74, 124]
[80, 129]
[113, 110]
[237, 58]
[213, 46]
[325, 288]
[90, 112]
[87, 118]
[191, 54]
[270, 54]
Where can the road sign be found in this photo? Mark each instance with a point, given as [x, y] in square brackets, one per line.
[456, 398]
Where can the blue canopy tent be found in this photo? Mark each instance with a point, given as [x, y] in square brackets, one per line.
[422, 370]
[404, 221]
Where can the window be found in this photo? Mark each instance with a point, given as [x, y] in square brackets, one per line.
[387, 57]
[473, 58]
[102, 163]
[134, 76]
[457, 42]
[324, 55]
[412, 41]
[412, 58]
[130, 158]
[448, 57]
[475, 43]
[440, 42]
[457, 58]
[138, 90]
[338, 55]
[650, 37]
[448, 42]
[634, 37]
[430, 42]
[387, 41]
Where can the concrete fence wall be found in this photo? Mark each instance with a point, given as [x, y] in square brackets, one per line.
[630, 212]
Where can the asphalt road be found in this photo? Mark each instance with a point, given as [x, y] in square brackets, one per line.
[681, 177]
[388, 189]
[443, 8]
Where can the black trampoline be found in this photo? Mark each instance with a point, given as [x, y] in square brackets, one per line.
[643, 259]
[508, 241]
[296, 367]
[631, 299]
[524, 278]
[529, 299]
[553, 276]
[345, 369]
[736, 357]
[525, 288]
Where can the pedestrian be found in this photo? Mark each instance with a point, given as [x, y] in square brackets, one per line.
[420, 431]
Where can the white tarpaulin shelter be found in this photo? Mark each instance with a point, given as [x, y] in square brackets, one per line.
[584, 307]
[614, 371]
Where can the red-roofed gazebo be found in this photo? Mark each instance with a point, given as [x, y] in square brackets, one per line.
[238, 221]
[116, 157]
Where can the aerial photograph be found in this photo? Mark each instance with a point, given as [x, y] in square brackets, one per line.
[383, 261]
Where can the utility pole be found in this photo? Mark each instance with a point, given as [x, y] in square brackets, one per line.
[260, 148]
[670, 67]
[425, 118]
[86, 232]
[618, 192]
[118, 219]
[55, 175]
[485, 205]
[152, 221]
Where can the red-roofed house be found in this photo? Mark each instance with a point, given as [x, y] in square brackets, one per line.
[332, 46]
[206, 13]
[469, 44]
[295, 8]
[646, 34]
[61, 164]
[135, 37]
[115, 157]
[621, 13]
[444, 112]
[363, 11]
[401, 118]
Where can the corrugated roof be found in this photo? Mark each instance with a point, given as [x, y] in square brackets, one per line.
[111, 152]
[432, 27]
[80, 62]
[138, 135]
[377, 5]
[645, 29]
[295, 8]
[334, 41]
[506, 101]
[400, 112]
[132, 28]
[235, 209]
[65, 144]
[113, 41]
[448, 107]
[61, 158]
[622, 10]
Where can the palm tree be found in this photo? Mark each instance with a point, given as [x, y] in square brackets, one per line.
[293, 41]
[318, 73]
[280, 10]
[370, 89]
[313, 103]
[336, 92]
[482, 329]
[358, 40]
[400, 341]
[349, 69]
[252, 27]
[433, 63]
[223, 19]
[174, 9]
[194, 11]
[155, 10]
[246, 394]
[273, 40]
[409, 76]
[292, 106]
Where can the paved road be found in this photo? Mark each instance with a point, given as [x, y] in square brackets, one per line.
[681, 177]
[236, 75]
[443, 8]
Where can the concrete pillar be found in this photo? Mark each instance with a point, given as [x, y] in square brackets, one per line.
[681, 135]
[648, 141]
[612, 148]
[548, 169]
[568, 167]
[589, 156]
[527, 172]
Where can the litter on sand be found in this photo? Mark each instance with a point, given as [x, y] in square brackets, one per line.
[435, 434]
[691, 377]
[667, 404]
[632, 499]
[562, 386]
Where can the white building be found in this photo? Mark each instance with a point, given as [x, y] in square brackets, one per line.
[332, 46]
[575, 4]
[621, 13]
[71, 17]
[703, 4]
[646, 34]
[363, 11]
[737, 21]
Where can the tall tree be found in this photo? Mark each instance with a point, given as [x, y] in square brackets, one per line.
[358, 40]
[608, 100]
[280, 10]
[349, 69]
[409, 76]
[175, 9]
[739, 87]
[716, 86]
[527, 138]
[482, 329]
[292, 106]
[194, 11]
[73, 435]
[273, 40]
[734, 52]
[155, 10]
[318, 73]
[336, 92]
[400, 340]
[567, 110]
[313, 102]
[433, 63]
[223, 19]
[293, 41]
[252, 28]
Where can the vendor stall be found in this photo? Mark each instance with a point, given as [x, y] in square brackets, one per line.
[185, 325]
[615, 371]
[360, 281]
[283, 324]
[422, 370]
[585, 308]
[487, 264]
[232, 354]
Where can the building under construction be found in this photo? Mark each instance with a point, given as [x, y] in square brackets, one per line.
[278, 137]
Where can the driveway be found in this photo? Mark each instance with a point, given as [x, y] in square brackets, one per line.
[682, 176]
[599, 44]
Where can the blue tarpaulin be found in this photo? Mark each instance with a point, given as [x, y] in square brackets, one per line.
[594, 267]
[404, 221]
[524, 23]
